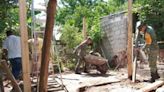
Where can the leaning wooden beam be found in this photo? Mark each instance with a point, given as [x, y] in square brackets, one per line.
[93, 83]
[24, 46]
[153, 86]
[51, 10]
[5, 68]
[1, 84]
[129, 47]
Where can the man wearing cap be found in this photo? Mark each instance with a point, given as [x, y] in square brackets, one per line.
[151, 48]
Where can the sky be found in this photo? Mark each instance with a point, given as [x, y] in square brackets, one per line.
[39, 3]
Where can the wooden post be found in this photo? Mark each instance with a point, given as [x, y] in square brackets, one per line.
[5, 68]
[24, 46]
[152, 86]
[84, 32]
[130, 43]
[51, 10]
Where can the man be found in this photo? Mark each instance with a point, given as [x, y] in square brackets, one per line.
[80, 51]
[12, 46]
[151, 48]
[36, 51]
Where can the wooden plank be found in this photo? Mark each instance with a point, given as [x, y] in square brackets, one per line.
[55, 89]
[130, 43]
[152, 86]
[24, 46]
[5, 68]
[84, 32]
[100, 82]
[54, 83]
[160, 42]
[51, 10]
[54, 86]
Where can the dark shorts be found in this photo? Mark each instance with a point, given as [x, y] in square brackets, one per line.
[16, 64]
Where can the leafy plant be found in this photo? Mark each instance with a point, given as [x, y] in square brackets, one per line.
[152, 13]
[71, 36]
[9, 16]
[73, 12]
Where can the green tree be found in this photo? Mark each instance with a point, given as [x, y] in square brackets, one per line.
[152, 12]
[7, 11]
[71, 36]
[9, 16]
[73, 12]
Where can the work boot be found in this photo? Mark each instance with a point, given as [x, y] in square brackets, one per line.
[86, 71]
[77, 72]
[154, 76]
[151, 80]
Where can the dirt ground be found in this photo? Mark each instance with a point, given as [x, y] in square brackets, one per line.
[112, 81]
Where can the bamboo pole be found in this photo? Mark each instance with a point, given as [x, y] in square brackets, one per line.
[130, 43]
[84, 32]
[24, 46]
[51, 10]
[134, 69]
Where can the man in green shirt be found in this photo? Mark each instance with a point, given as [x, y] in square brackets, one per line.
[151, 48]
[81, 51]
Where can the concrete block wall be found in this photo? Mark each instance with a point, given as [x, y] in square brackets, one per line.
[115, 29]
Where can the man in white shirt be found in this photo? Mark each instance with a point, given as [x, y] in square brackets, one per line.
[12, 46]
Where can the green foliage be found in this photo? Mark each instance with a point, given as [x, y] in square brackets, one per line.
[7, 10]
[9, 16]
[152, 12]
[71, 36]
[95, 33]
[73, 12]
[71, 65]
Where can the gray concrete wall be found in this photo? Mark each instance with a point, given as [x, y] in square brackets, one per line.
[115, 29]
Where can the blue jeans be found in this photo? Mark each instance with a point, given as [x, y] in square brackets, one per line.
[16, 64]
